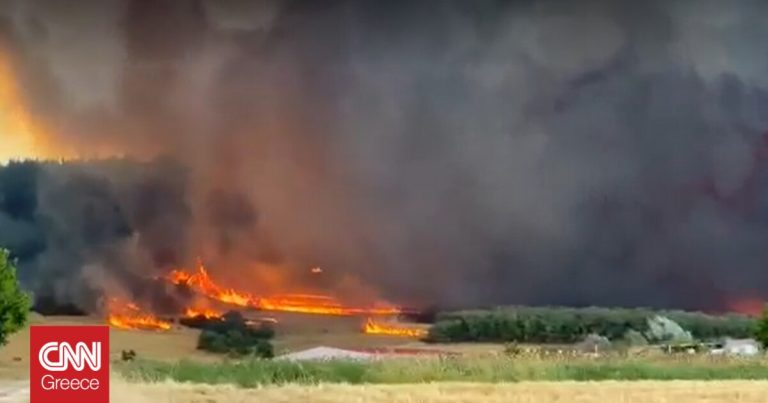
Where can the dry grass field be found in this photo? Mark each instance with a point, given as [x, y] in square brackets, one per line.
[480, 361]
[294, 331]
[528, 392]
[167, 346]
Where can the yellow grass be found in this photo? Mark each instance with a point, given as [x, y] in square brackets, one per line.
[294, 332]
[164, 346]
[528, 392]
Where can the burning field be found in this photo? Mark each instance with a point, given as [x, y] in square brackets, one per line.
[129, 316]
[209, 294]
[363, 161]
[244, 190]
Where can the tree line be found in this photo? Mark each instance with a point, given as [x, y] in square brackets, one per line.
[569, 325]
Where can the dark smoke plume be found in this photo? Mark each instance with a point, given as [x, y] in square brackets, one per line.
[455, 153]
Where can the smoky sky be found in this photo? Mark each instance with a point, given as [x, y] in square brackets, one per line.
[459, 153]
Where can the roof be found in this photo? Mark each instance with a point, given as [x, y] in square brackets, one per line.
[741, 342]
[326, 353]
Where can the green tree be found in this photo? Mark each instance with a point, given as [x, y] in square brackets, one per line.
[761, 330]
[14, 303]
[664, 330]
[232, 334]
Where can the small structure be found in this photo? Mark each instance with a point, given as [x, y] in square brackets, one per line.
[594, 344]
[742, 347]
[690, 348]
[323, 353]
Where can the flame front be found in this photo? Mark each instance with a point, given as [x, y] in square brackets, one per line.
[138, 322]
[22, 135]
[392, 329]
[130, 317]
[201, 282]
[205, 312]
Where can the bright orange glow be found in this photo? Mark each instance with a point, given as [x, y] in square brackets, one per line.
[748, 306]
[21, 136]
[392, 329]
[138, 322]
[201, 282]
[128, 316]
[207, 313]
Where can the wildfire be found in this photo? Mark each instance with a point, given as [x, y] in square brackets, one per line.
[201, 282]
[129, 316]
[748, 306]
[22, 136]
[207, 313]
[138, 322]
[392, 329]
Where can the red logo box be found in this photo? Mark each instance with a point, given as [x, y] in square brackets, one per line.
[69, 364]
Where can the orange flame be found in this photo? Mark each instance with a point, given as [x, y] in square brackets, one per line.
[201, 282]
[138, 322]
[207, 313]
[392, 329]
[128, 316]
[22, 136]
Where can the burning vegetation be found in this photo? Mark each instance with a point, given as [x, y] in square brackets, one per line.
[470, 188]
[127, 315]
[22, 136]
[204, 312]
[373, 326]
[201, 282]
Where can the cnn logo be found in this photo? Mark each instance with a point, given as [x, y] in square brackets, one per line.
[76, 357]
[72, 364]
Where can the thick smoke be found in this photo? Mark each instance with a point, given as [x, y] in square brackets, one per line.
[85, 231]
[450, 152]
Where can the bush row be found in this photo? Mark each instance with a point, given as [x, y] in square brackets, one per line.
[569, 325]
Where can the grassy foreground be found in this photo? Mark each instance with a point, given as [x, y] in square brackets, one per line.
[541, 392]
[254, 373]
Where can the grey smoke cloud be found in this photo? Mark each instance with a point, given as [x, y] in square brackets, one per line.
[459, 153]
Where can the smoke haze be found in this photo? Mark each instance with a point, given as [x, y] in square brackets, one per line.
[444, 152]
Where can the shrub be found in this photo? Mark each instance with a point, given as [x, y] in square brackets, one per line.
[633, 338]
[571, 325]
[234, 336]
[664, 330]
[594, 343]
[199, 321]
[14, 303]
[127, 355]
[512, 349]
[761, 330]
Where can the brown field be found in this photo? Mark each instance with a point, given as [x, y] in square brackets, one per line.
[529, 392]
[172, 345]
[300, 331]
[293, 332]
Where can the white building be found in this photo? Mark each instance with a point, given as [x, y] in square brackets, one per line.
[743, 347]
[326, 353]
